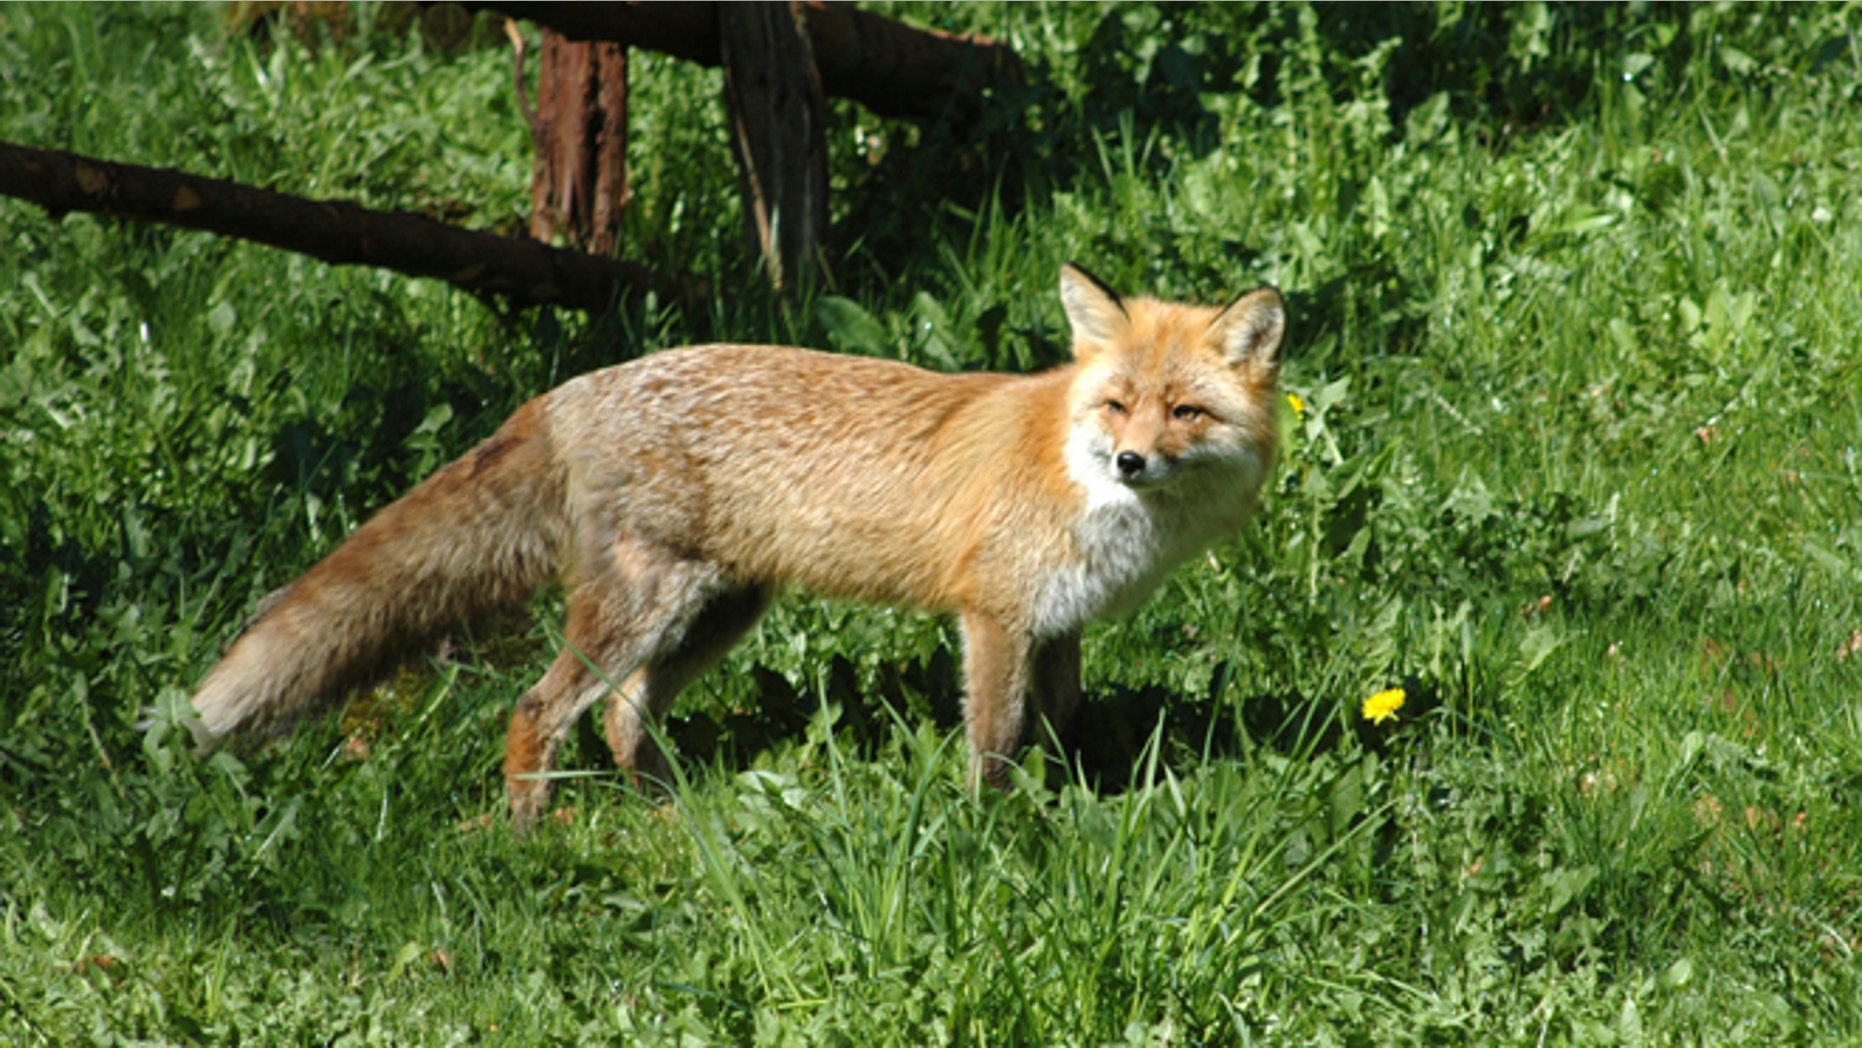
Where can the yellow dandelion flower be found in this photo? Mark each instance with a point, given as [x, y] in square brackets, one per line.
[1299, 404]
[1384, 705]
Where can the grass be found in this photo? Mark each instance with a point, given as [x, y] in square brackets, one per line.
[1574, 296]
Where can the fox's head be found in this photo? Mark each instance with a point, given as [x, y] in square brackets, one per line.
[1165, 390]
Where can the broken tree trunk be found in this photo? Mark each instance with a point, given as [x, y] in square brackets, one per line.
[341, 232]
[781, 59]
[778, 131]
[579, 185]
[889, 67]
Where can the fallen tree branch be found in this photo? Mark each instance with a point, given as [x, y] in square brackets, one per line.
[889, 67]
[340, 232]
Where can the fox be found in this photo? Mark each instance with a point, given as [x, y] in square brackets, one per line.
[674, 496]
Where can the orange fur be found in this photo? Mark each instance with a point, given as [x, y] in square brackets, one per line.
[674, 495]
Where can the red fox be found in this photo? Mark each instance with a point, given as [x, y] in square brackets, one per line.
[675, 494]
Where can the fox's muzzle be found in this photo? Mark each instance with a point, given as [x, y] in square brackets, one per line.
[1130, 465]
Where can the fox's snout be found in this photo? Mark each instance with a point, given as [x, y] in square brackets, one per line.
[1130, 465]
[1138, 429]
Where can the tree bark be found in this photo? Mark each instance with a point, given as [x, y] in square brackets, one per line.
[579, 185]
[778, 131]
[889, 67]
[341, 232]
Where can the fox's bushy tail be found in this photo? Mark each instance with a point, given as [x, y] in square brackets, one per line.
[484, 532]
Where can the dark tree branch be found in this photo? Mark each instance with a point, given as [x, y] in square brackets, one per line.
[889, 67]
[341, 232]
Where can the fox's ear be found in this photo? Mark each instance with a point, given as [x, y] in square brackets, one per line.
[1094, 310]
[1251, 327]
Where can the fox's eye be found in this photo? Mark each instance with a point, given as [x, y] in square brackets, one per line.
[1116, 407]
[1187, 412]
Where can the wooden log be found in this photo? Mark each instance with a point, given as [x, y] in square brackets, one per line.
[889, 67]
[340, 232]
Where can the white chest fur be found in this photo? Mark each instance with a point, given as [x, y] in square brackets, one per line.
[1120, 557]
[1123, 546]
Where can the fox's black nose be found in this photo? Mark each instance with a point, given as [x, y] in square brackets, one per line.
[1130, 464]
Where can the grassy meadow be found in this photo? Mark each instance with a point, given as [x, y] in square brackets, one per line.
[1576, 460]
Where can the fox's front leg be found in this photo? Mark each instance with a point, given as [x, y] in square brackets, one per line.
[1056, 684]
[996, 660]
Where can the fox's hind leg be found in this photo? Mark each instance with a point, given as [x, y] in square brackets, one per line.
[632, 605]
[648, 693]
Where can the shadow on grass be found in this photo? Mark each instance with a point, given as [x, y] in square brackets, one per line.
[1102, 746]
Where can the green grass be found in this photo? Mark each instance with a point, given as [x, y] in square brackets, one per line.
[1575, 295]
